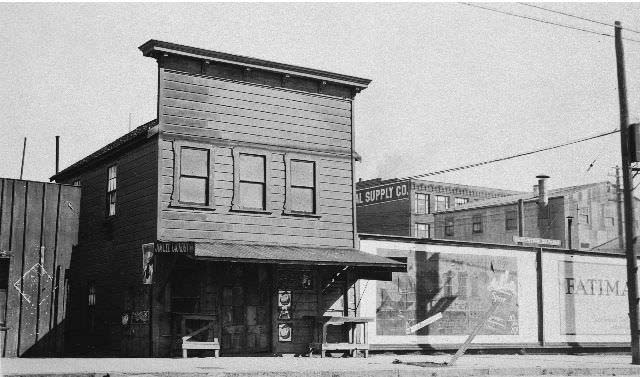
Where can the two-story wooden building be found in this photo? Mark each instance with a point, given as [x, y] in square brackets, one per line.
[234, 209]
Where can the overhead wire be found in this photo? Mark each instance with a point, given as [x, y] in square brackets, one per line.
[577, 17]
[463, 167]
[547, 22]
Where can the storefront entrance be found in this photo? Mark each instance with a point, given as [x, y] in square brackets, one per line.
[232, 298]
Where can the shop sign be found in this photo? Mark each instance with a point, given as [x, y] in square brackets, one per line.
[174, 247]
[382, 194]
[535, 240]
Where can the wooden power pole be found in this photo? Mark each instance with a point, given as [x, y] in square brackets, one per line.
[632, 263]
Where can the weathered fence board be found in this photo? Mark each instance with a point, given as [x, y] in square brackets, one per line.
[38, 229]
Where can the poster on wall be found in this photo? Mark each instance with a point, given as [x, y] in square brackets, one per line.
[147, 263]
[284, 304]
[592, 298]
[284, 332]
[448, 294]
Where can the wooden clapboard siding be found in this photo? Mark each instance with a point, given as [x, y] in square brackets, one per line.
[32, 232]
[111, 247]
[333, 228]
[233, 111]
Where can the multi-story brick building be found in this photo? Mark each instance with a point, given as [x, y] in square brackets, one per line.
[584, 217]
[232, 212]
[406, 207]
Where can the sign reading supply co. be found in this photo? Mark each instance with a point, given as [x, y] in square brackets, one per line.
[382, 194]
[535, 240]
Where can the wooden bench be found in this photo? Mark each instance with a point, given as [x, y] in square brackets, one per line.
[188, 344]
[352, 346]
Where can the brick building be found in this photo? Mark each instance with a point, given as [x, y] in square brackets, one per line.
[406, 207]
[584, 217]
[232, 212]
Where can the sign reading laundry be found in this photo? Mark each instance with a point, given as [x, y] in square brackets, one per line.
[174, 247]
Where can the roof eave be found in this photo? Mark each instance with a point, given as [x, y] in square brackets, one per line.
[152, 47]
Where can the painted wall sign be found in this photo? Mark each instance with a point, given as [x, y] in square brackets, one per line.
[535, 240]
[174, 247]
[382, 194]
[592, 298]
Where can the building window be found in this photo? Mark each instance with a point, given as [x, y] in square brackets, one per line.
[91, 306]
[193, 184]
[442, 202]
[421, 204]
[609, 222]
[511, 220]
[477, 224]
[250, 181]
[461, 201]
[422, 230]
[112, 185]
[448, 226]
[76, 182]
[301, 196]
[583, 215]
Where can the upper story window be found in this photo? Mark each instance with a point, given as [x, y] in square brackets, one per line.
[76, 182]
[112, 185]
[448, 226]
[511, 220]
[193, 184]
[301, 196]
[477, 224]
[442, 202]
[421, 203]
[250, 181]
[422, 230]
[461, 201]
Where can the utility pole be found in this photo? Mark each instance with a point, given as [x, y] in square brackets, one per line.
[619, 205]
[24, 149]
[632, 263]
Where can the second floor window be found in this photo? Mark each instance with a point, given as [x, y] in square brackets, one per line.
[511, 220]
[422, 230]
[252, 183]
[442, 202]
[193, 183]
[477, 224]
[421, 203]
[448, 226]
[302, 187]
[112, 185]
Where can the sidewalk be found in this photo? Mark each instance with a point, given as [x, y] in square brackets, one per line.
[374, 366]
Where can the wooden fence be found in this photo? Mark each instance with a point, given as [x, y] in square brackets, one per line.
[38, 229]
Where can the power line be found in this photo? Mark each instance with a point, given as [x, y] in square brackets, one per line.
[578, 17]
[548, 22]
[510, 157]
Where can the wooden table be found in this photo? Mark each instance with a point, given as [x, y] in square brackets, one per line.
[351, 345]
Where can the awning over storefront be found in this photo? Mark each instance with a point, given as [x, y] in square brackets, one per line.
[277, 254]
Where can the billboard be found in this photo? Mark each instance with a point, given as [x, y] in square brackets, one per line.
[446, 292]
[585, 298]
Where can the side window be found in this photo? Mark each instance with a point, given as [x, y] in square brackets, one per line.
[193, 183]
[422, 230]
[421, 203]
[511, 220]
[112, 185]
[442, 202]
[302, 194]
[477, 224]
[250, 181]
[91, 306]
[448, 226]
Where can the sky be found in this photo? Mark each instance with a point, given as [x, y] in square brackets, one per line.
[451, 84]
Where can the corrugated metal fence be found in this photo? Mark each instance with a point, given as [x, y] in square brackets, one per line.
[38, 229]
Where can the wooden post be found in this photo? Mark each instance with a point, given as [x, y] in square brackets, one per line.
[632, 264]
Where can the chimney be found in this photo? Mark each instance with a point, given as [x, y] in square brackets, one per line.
[543, 198]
